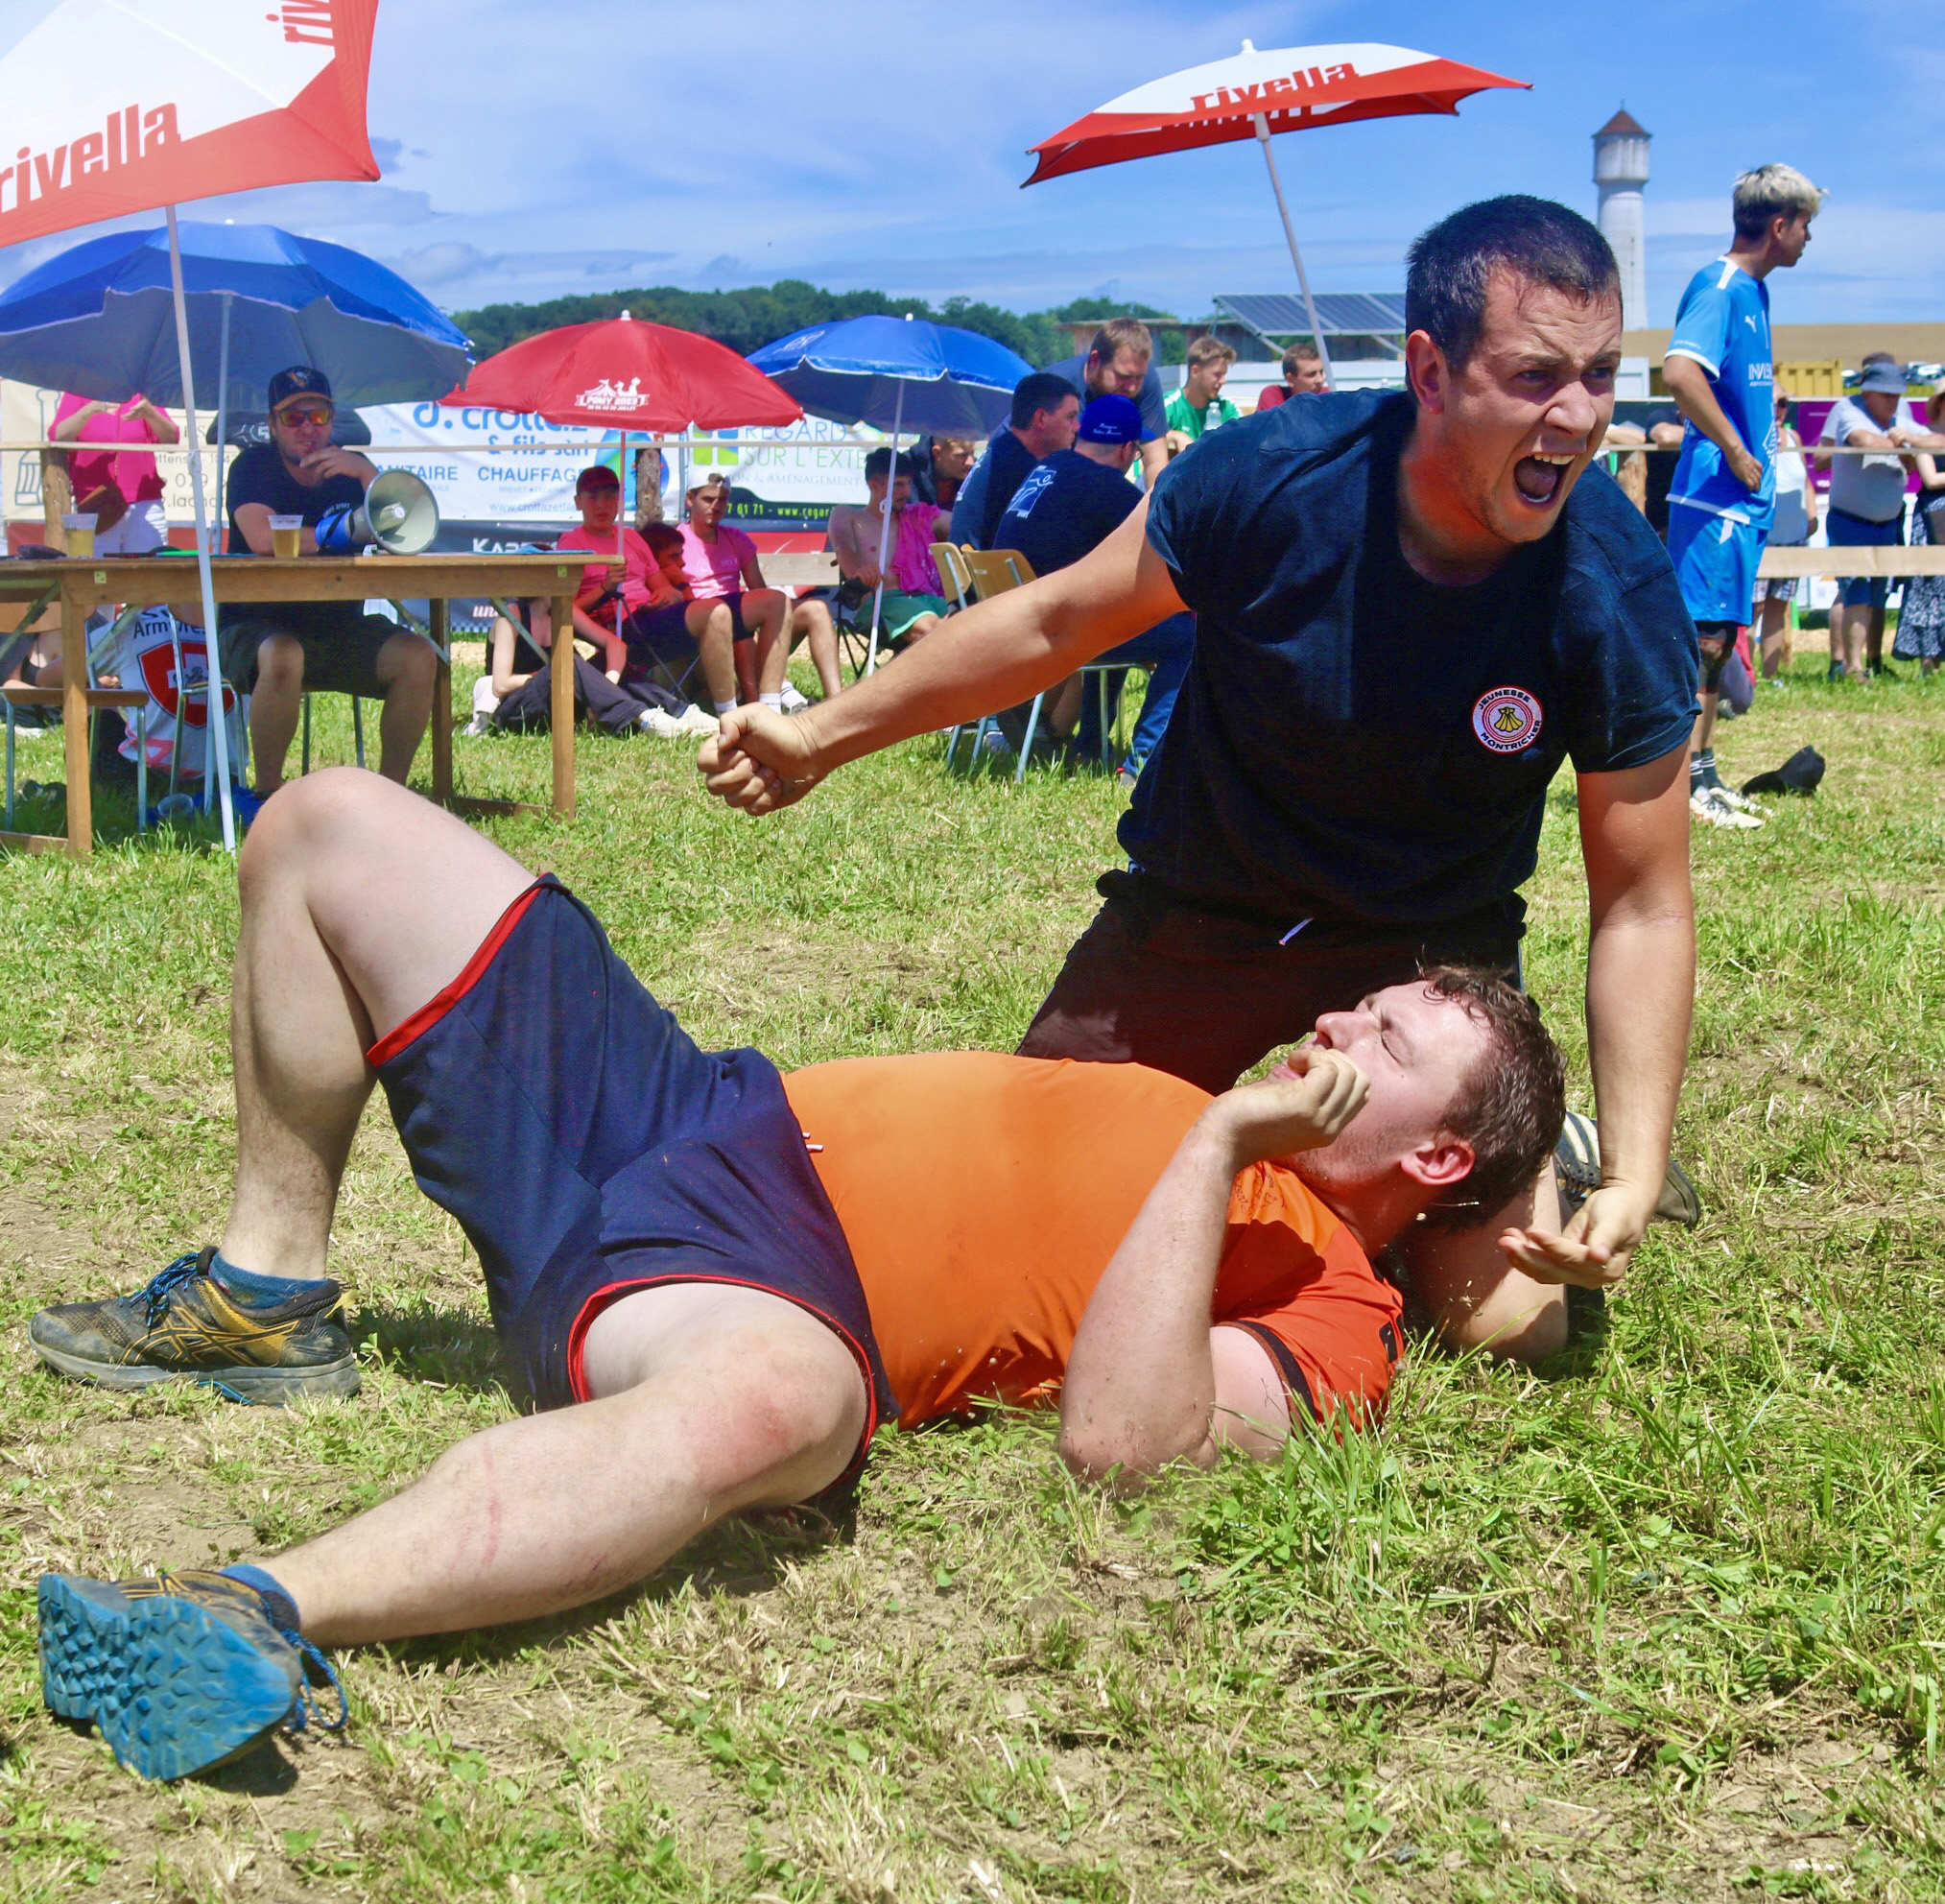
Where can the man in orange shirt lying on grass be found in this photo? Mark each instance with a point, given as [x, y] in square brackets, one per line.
[715, 1280]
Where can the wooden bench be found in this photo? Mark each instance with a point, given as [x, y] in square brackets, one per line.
[801, 571]
[1895, 560]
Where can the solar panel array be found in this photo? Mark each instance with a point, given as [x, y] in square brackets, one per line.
[1341, 313]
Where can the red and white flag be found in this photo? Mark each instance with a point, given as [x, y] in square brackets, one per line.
[121, 105]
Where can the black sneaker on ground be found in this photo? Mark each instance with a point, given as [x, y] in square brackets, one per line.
[179, 1672]
[185, 1325]
[1577, 1169]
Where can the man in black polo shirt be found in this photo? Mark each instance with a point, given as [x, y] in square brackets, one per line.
[1046, 409]
[1412, 608]
[274, 650]
[1068, 506]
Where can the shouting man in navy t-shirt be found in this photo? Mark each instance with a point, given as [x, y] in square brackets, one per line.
[1411, 609]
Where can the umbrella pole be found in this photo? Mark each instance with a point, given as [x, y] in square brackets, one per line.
[215, 727]
[1261, 124]
[885, 527]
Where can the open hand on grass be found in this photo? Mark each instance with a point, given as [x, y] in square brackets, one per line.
[760, 760]
[1593, 1249]
[1302, 1106]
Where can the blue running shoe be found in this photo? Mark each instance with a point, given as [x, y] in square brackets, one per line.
[179, 1672]
[185, 1323]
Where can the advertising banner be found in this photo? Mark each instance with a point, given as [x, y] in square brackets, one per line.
[503, 478]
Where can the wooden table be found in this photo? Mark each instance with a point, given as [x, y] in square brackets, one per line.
[80, 586]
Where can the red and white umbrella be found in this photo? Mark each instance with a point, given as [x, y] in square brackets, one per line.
[622, 374]
[1252, 95]
[129, 105]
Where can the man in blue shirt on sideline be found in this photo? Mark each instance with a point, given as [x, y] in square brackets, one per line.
[1068, 506]
[1120, 362]
[1046, 410]
[1719, 370]
[1411, 609]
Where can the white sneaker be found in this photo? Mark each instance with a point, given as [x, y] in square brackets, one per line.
[663, 725]
[794, 702]
[699, 722]
[1735, 802]
[485, 702]
[1706, 805]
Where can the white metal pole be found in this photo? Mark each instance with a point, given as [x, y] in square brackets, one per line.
[219, 738]
[1261, 124]
[885, 527]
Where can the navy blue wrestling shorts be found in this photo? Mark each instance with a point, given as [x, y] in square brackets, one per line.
[590, 1148]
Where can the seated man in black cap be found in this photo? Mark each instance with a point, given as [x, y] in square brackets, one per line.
[274, 650]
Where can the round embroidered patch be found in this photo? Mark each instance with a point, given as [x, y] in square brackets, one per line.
[1505, 718]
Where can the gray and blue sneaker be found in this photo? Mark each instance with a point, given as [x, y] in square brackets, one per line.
[185, 1323]
[179, 1672]
[1577, 1169]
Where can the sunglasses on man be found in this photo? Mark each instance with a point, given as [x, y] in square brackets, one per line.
[317, 415]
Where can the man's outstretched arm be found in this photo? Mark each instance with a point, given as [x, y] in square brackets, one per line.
[1641, 988]
[999, 653]
[1150, 1381]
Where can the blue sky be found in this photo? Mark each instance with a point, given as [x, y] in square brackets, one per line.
[589, 144]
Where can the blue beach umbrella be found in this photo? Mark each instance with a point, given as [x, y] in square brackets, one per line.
[98, 319]
[896, 374]
[112, 317]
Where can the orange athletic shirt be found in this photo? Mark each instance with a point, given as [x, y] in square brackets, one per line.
[983, 1196]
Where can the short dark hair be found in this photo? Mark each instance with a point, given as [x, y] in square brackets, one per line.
[1511, 1106]
[1300, 353]
[661, 536]
[1043, 390]
[878, 464]
[597, 476]
[1449, 268]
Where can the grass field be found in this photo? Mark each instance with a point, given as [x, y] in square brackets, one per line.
[1668, 1623]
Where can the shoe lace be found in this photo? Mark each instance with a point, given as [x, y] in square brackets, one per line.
[184, 1270]
[319, 1672]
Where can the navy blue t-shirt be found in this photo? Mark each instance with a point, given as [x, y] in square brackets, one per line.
[258, 475]
[1354, 743]
[1068, 505]
[982, 497]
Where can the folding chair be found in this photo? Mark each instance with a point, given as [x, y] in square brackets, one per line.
[410, 624]
[990, 572]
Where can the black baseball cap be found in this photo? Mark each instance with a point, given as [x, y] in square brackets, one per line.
[300, 380]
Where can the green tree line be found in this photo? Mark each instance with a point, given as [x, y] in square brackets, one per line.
[748, 318]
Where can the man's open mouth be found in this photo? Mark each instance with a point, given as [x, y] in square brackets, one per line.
[1538, 478]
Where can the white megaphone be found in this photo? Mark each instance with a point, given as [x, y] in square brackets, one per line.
[399, 514]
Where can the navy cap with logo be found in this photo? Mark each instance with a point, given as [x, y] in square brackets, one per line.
[300, 380]
[1111, 420]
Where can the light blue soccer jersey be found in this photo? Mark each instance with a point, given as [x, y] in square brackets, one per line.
[1723, 323]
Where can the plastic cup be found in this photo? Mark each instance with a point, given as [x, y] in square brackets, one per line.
[287, 537]
[80, 536]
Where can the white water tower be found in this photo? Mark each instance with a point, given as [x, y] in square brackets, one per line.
[1621, 171]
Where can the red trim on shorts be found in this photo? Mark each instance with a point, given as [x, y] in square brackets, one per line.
[577, 1341]
[442, 1001]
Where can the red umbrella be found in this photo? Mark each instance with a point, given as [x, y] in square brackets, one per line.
[624, 374]
[1252, 95]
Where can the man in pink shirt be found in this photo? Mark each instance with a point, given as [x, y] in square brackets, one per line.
[121, 489]
[742, 628]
